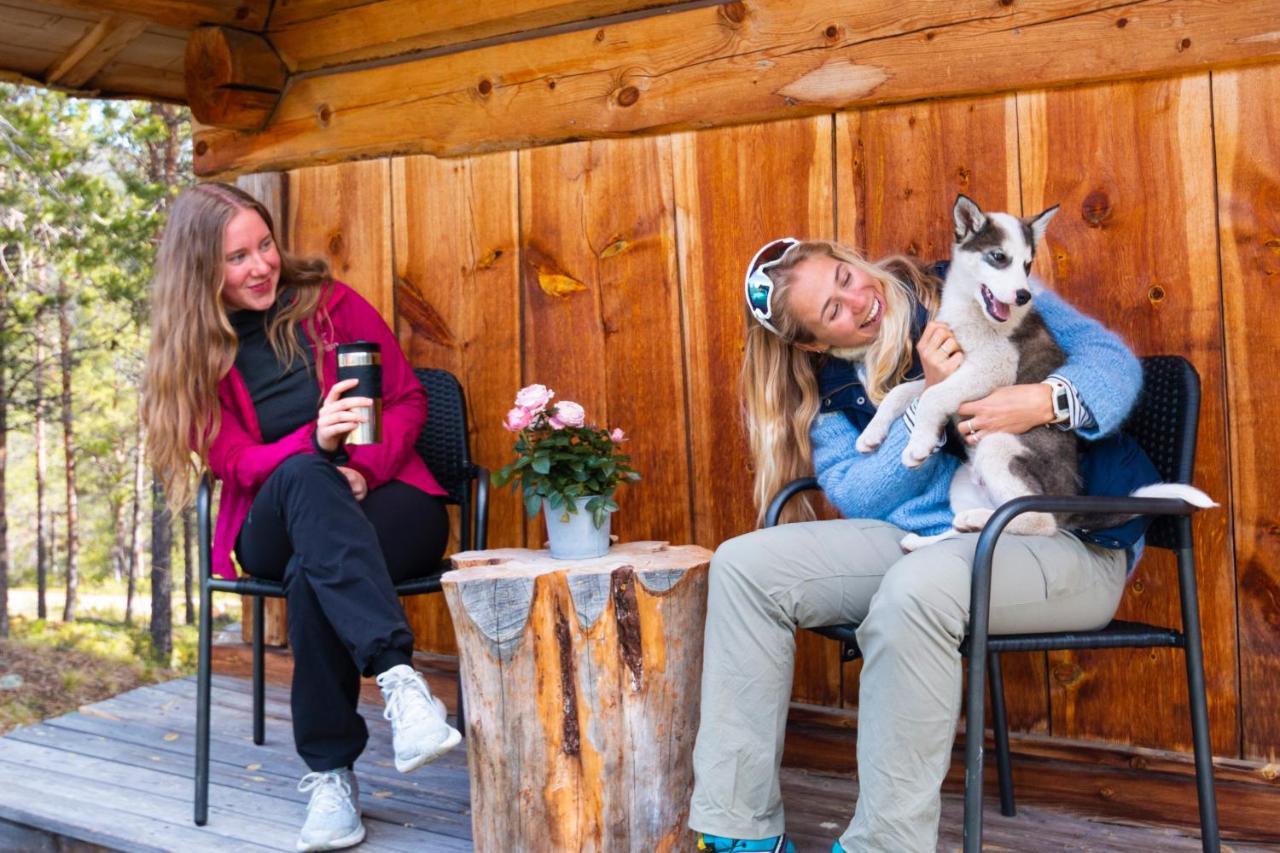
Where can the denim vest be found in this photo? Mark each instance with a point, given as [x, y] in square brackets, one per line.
[1112, 466]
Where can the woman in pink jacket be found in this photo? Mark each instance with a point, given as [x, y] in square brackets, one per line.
[240, 381]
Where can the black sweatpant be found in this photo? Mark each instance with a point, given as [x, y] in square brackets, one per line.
[339, 559]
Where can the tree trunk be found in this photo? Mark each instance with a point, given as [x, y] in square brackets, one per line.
[68, 445]
[582, 686]
[4, 459]
[188, 570]
[161, 556]
[134, 563]
[42, 464]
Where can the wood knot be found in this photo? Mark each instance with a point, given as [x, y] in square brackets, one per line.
[628, 95]
[1183, 45]
[734, 13]
[485, 87]
[202, 148]
[336, 244]
[930, 36]
[1095, 209]
[911, 121]
[1139, 587]
[324, 114]
[242, 12]
[832, 32]
[1273, 244]
[1067, 674]
[599, 35]
[1155, 294]
[913, 250]
[1122, 23]
[1137, 762]
[1006, 2]
[963, 174]
[1107, 792]
[551, 84]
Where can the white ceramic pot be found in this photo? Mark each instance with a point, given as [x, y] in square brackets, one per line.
[578, 538]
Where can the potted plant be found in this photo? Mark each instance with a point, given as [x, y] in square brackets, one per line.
[567, 468]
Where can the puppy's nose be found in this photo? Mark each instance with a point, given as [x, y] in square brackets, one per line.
[1023, 296]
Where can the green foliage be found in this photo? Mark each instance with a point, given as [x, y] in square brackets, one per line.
[559, 463]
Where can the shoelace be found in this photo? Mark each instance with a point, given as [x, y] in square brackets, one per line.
[330, 792]
[403, 691]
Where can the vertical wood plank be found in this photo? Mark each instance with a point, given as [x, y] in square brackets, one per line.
[272, 189]
[1134, 245]
[899, 170]
[736, 188]
[458, 303]
[1246, 112]
[342, 213]
[602, 312]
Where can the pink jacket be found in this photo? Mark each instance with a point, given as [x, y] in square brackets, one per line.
[239, 458]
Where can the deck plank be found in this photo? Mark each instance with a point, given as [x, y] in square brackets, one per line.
[118, 774]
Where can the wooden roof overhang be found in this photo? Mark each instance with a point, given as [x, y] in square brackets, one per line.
[281, 84]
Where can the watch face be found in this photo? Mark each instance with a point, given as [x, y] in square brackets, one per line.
[1061, 404]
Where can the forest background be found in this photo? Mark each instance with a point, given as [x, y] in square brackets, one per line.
[89, 554]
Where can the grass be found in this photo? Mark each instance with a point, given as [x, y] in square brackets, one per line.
[63, 665]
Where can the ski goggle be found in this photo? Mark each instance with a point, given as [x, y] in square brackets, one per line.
[759, 287]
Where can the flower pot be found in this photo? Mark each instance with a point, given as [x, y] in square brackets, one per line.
[578, 538]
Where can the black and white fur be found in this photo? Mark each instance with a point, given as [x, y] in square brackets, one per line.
[987, 303]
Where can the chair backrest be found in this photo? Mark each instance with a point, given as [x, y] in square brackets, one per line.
[444, 443]
[1164, 423]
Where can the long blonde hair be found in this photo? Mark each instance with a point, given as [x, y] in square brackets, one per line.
[779, 380]
[193, 345]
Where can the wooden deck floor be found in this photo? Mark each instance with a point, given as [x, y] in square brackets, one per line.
[118, 774]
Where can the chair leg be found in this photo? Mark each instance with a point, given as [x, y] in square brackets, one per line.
[1000, 727]
[462, 714]
[259, 734]
[204, 666]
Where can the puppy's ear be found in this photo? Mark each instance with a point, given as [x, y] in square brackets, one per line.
[969, 218]
[1040, 223]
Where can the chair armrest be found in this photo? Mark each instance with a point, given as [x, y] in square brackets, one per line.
[785, 494]
[984, 552]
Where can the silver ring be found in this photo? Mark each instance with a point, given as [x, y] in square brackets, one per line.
[971, 431]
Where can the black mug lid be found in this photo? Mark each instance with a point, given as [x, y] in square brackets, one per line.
[359, 346]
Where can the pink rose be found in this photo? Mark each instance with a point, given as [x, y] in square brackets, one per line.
[618, 436]
[568, 414]
[517, 419]
[534, 398]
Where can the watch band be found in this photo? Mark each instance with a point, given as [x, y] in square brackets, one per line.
[1060, 400]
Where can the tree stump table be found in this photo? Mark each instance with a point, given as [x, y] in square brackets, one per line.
[582, 681]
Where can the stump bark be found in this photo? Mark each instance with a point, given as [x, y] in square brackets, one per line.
[582, 684]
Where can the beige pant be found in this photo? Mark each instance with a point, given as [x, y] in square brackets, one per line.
[913, 611]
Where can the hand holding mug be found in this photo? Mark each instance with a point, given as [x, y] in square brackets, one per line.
[338, 416]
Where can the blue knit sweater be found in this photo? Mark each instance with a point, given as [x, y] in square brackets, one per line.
[1107, 378]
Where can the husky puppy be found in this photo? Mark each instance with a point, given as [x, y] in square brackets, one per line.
[987, 302]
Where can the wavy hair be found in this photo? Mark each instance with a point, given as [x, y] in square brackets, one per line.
[779, 380]
[193, 345]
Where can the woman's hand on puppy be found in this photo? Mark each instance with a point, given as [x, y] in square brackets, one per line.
[337, 417]
[1014, 409]
[940, 353]
[359, 487]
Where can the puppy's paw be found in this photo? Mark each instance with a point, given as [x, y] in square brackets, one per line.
[912, 541]
[972, 520]
[915, 453]
[1033, 524]
[867, 444]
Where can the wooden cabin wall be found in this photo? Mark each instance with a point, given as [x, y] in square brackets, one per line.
[610, 270]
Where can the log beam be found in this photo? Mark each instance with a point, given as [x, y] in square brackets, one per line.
[740, 62]
[312, 34]
[99, 46]
[234, 78]
[180, 14]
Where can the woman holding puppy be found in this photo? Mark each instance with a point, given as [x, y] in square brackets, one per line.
[240, 381]
[829, 334]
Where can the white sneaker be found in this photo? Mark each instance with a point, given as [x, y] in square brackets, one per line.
[419, 730]
[333, 814]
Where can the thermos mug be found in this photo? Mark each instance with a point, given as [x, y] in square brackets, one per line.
[362, 360]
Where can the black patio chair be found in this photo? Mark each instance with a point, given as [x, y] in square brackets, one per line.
[1164, 423]
[445, 446]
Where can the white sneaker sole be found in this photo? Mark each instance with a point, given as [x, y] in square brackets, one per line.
[410, 764]
[337, 844]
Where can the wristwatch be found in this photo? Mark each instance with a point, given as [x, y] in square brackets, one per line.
[1060, 399]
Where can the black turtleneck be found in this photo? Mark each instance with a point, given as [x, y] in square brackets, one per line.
[285, 396]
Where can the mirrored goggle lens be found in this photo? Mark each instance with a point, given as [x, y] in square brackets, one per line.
[759, 289]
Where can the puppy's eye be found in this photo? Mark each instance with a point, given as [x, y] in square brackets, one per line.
[997, 257]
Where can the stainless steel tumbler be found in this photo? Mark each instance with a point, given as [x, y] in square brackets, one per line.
[362, 360]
